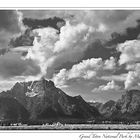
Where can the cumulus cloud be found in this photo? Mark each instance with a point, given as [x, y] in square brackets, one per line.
[92, 24]
[51, 49]
[133, 76]
[110, 64]
[105, 20]
[130, 56]
[75, 54]
[131, 79]
[130, 52]
[109, 86]
[73, 37]
[87, 69]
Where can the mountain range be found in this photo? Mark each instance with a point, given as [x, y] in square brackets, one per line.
[42, 100]
[125, 109]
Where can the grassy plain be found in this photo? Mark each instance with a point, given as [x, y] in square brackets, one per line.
[74, 127]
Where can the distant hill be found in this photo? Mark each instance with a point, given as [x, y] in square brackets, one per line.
[127, 108]
[104, 109]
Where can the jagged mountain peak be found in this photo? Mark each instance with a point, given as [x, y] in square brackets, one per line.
[33, 88]
[43, 100]
[42, 82]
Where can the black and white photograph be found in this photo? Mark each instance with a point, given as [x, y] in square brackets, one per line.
[69, 69]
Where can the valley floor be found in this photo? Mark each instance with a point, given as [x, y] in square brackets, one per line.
[74, 127]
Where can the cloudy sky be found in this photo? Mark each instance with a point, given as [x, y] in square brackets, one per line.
[94, 53]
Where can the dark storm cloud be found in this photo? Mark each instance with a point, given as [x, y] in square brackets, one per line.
[97, 49]
[55, 22]
[107, 48]
[26, 39]
[39, 20]
[130, 33]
